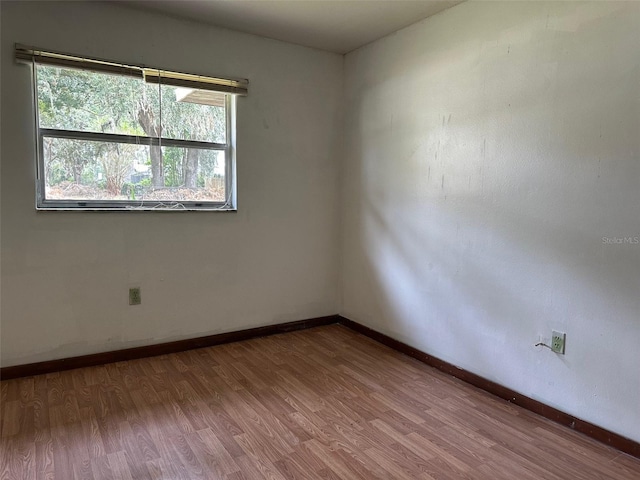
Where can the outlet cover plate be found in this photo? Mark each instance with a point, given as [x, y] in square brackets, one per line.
[134, 296]
[558, 339]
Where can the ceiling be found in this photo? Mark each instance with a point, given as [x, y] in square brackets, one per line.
[334, 25]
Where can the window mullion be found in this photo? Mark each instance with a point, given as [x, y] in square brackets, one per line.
[130, 139]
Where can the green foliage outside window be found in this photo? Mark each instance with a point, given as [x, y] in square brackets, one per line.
[87, 101]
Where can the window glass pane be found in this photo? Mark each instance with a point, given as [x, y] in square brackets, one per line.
[88, 101]
[71, 99]
[106, 171]
[190, 114]
[88, 170]
[192, 174]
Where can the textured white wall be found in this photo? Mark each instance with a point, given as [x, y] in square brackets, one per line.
[489, 149]
[65, 275]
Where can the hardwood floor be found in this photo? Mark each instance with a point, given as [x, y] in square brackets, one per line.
[323, 403]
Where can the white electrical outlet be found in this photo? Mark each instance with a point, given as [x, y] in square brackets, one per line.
[558, 340]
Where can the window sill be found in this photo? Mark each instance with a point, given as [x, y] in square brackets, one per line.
[128, 208]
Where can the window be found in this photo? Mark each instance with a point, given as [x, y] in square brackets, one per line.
[114, 136]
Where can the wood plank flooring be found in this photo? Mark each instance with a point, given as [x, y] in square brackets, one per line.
[324, 403]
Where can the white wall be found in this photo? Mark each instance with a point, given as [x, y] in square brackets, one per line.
[488, 150]
[65, 275]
